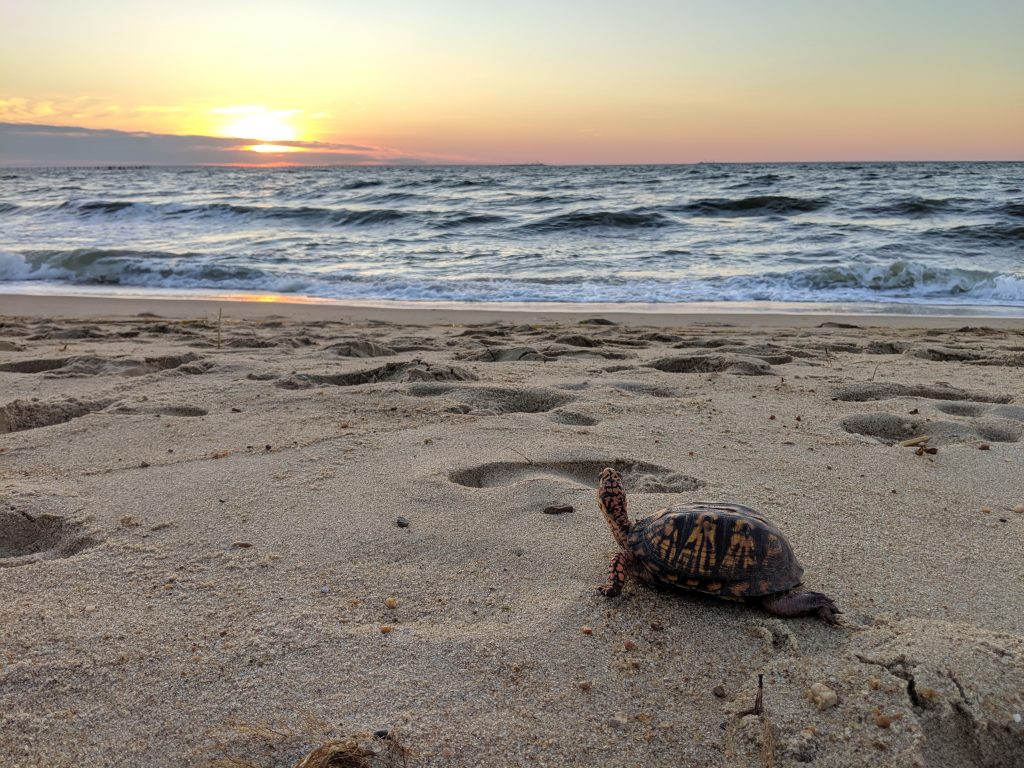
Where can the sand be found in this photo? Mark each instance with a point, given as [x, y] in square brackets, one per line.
[199, 538]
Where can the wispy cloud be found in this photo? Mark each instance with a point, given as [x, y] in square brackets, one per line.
[37, 144]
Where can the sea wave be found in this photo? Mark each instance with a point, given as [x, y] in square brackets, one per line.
[983, 234]
[599, 219]
[897, 281]
[911, 206]
[761, 205]
[452, 221]
[308, 214]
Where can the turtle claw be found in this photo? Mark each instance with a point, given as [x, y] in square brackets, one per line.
[609, 590]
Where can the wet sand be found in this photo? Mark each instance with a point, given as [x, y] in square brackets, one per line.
[199, 536]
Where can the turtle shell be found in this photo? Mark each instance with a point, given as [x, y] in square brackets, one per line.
[726, 550]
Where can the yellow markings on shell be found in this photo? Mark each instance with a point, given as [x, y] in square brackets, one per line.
[668, 546]
[740, 588]
[699, 548]
[740, 554]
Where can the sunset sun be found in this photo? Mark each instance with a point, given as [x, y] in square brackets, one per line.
[258, 123]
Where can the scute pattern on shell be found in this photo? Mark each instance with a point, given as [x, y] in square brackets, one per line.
[726, 550]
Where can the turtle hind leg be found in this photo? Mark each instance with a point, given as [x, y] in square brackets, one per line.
[794, 604]
[616, 576]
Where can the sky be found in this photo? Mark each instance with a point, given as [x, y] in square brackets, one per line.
[552, 81]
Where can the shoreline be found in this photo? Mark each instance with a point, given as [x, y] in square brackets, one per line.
[238, 308]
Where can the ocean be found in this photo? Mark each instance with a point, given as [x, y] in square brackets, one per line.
[930, 238]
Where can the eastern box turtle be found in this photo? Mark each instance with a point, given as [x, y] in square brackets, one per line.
[725, 550]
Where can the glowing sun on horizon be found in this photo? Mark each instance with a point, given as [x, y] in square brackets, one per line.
[259, 123]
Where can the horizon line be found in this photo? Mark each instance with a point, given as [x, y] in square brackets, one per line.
[487, 164]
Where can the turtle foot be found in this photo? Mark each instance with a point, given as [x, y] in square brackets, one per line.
[803, 604]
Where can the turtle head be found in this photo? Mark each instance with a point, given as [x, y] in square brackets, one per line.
[612, 499]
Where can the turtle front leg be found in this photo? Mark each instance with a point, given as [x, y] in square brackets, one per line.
[802, 604]
[616, 576]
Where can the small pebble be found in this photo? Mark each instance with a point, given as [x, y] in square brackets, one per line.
[718, 691]
[391, 602]
[382, 733]
[1016, 717]
[657, 626]
[586, 686]
[586, 630]
[325, 589]
[385, 629]
[884, 721]
[1019, 509]
[618, 720]
[986, 510]
[984, 447]
[402, 522]
[629, 645]
[242, 545]
[143, 465]
[822, 696]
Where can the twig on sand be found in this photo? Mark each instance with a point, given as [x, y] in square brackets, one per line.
[915, 441]
[767, 740]
[528, 459]
[758, 707]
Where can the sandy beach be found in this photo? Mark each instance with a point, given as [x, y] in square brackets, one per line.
[225, 542]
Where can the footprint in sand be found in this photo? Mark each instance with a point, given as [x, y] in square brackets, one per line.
[27, 538]
[573, 418]
[639, 476]
[495, 400]
[21, 415]
[87, 365]
[865, 391]
[1000, 424]
[414, 370]
[725, 362]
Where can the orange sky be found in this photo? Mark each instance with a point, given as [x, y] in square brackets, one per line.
[530, 81]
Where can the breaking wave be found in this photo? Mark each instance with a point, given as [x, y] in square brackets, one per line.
[898, 281]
